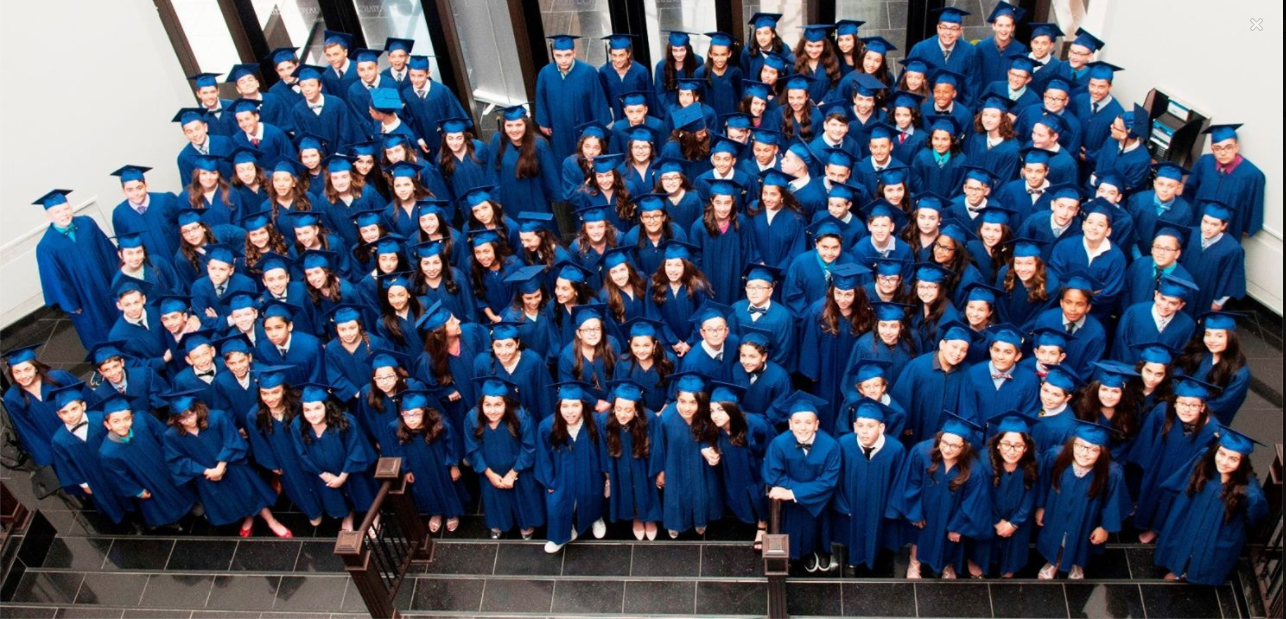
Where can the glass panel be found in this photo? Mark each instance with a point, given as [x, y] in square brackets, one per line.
[792, 17]
[685, 15]
[883, 19]
[400, 20]
[293, 23]
[589, 19]
[494, 72]
[207, 34]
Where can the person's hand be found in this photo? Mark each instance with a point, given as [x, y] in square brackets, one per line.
[145, 495]
[410, 477]
[1004, 528]
[87, 490]
[193, 324]
[602, 406]
[277, 471]
[424, 146]
[509, 479]
[455, 473]
[1040, 517]
[547, 131]
[209, 311]
[918, 525]
[168, 356]
[607, 488]
[711, 455]
[495, 479]
[781, 494]
[660, 479]
[454, 397]
[1098, 536]
[953, 537]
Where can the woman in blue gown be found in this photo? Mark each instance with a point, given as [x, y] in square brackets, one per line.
[934, 307]
[693, 490]
[742, 440]
[679, 289]
[1214, 356]
[436, 280]
[889, 340]
[724, 242]
[828, 331]
[1027, 286]
[569, 464]
[464, 160]
[940, 167]
[399, 311]
[1174, 434]
[1010, 467]
[631, 451]
[532, 312]
[446, 364]
[655, 229]
[776, 222]
[523, 165]
[158, 276]
[500, 445]
[332, 448]
[27, 400]
[1106, 400]
[491, 264]
[624, 291]
[995, 147]
[267, 427]
[590, 356]
[646, 362]
[508, 359]
[422, 439]
[381, 394]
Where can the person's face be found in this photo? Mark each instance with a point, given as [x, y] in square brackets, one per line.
[283, 183]
[369, 234]
[750, 358]
[764, 36]
[24, 373]
[722, 162]
[431, 267]
[348, 332]
[174, 322]
[1075, 304]
[873, 388]
[335, 55]
[244, 319]
[1227, 461]
[404, 188]
[1096, 227]
[671, 182]
[889, 331]
[564, 58]
[398, 297]
[453, 327]
[272, 397]
[719, 415]
[418, 77]
[485, 255]
[306, 235]
[943, 95]
[975, 191]
[1098, 89]
[652, 221]
[758, 291]
[871, 62]
[311, 89]
[686, 404]
[209, 96]
[1188, 410]
[248, 122]
[680, 52]
[113, 370]
[814, 49]
[1052, 397]
[804, 426]
[1225, 151]
[596, 231]
[719, 55]
[493, 408]
[950, 445]
[674, 269]
[1024, 267]
[385, 378]
[757, 107]
[135, 191]
[868, 431]
[991, 234]
[119, 423]
[1017, 79]
[1012, 446]
[1216, 340]
[195, 131]
[927, 292]
[941, 141]
[314, 413]
[796, 99]
[642, 347]
[1035, 174]
[880, 229]
[828, 249]
[1041, 137]
[1166, 305]
[714, 332]
[591, 332]
[275, 280]
[954, 351]
[687, 97]
[278, 330]
[341, 182]
[572, 411]
[1003, 28]
[218, 271]
[722, 207]
[247, 173]
[564, 292]
[948, 33]
[131, 305]
[1166, 188]
[238, 363]
[624, 410]
[1111, 193]
[397, 58]
[978, 313]
[792, 165]
[1085, 454]
[620, 275]
[368, 71]
[591, 147]
[927, 221]
[1152, 374]
[635, 114]
[1004, 355]
[1078, 56]
[284, 69]
[1049, 356]
[1064, 210]
[604, 180]
[72, 413]
[201, 356]
[413, 418]
[640, 151]
[1041, 45]
[207, 179]
[515, 129]
[1119, 130]
[1055, 101]
[991, 119]
[505, 350]
[837, 174]
[1212, 227]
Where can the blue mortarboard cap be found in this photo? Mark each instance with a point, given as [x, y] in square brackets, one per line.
[399, 279]
[385, 100]
[129, 173]
[386, 358]
[1059, 84]
[979, 291]
[688, 118]
[650, 202]
[617, 256]
[643, 327]
[585, 313]
[1045, 29]
[1037, 155]
[846, 27]
[642, 133]
[1113, 374]
[619, 41]
[764, 20]
[801, 150]
[1222, 321]
[956, 231]
[802, 402]
[1099, 70]
[455, 125]
[220, 253]
[592, 214]
[244, 105]
[1188, 387]
[495, 387]
[309, 72]
[774, 178]
[529, 221]
[346, 313]
[1216, 209]
[726, 392]
[528, 278]
[1174, 286]
[725, 145]
[724, 188]
[954, 330]
[719, 38]
[114, 404]
[170, 303]
[393, 140]
[931, 272]
[204, 80]
[1021, 62]
[865, 85]
[234, 343]
[1111, 179]
[1053, 122]
[572, 272]
[21, 354]
[335, 37]
[755, 89]
[691, 84]
[888, 311]
[867, 369]
[947, 76]
[283, 54]
[415, 399]
[363, 149]
[404, 169]
[1004, 8]
[691, 382]
[759, 337]
[980, 174]
[189, 114]
[181, 401]
[776, 62]
[823, 228]
[761, 273]
[505, 331]
[1092, 433]
[1170, 170]
[290, 166]
[1137, 122]
[338, 163]
[914, 65]
[883, 208]
[1233, 440]
[368, 217]
[1064, 379]
[563, 41]
[281, 309]
[606, 163]
[678, 38]
[188, 216]
[1099, 206]
[313, 392]
[1080, 280]
[244, 154]
[996, 215]
[670, 165]
[950, 14]
[1048, 336]
[1155, 352]
[127, 285]
[816, 33]
[959, 426]
[870, 409]
[799, 82]
[1087, 40]
[1027, 248]
[879, 45]
[592, 128]
[709, 311]
[626, 390]
[848, 276]
[1219, 133]
[634, 98]
[197, 339]
[302, 219]
[418, 63]
[271, 261]
[105, 350]
[130, 241]
[942, 122]
[514, 112]
[363, 54]
[1011, 421]
[674, 250]
[392, 44]
[574, 391]
[207, 163]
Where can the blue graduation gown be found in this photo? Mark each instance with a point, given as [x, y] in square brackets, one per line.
[500, 451]
[655, 393]
[375, 422]
[337, 452]
[1051, 431]
[1014, 196]
[1070, 139]
[435, 494]
[1085, 348]
[305, 358]
[1196, 541]
[158, 224]
[216, 145]
[862, 496]
[823, 359]
[572, 475]
[531, 377]
[779, 321]
[922, 496]
[1132, 165]
[474, 340]
[36, 420]
[924, 390]
[870, 346]
[335, 123]
[752, 65]
[274, 449]
[497, 293]
[1015, 308]
[1225, 406]
[980, 400]
[636, 79]
[525, 194]
[205, 296]
[274, 146]
[722, 256]
[351, 366]
[1137, 327]
[288, 94]
[1218, 270]
[1148, 217]
[944, 180]
[231, 397]
[143, 388]
[148, 343]
[926, 333]
[593, 373]
[537, 335]
[240, 493]
[424, 114]
[634, 495]
[686, 211]
[963, 60]
[722, 92]
[1141, 282]
[813, 478]
[907, 145]
[713, 368]
[572, 177]
[741, 467]
[160, 276]
[1242, 189]
[675, 311]
[1096, 128]
[1160, 454]
[1071, 514]
[1001, 160]
[336, 84]
[76, 275]
[772, 385]
[139, 465]
[78, 462]
[1040, 228]
[650, 255]
[993, 60]
[469, 172]
[693, 489]
[781, 240]
[1014, 502]
[461, 304]
[564, 103]
[806, 281]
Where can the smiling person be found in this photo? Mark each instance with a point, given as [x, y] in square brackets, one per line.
[76, 262]
[568, 95]
[76, 453]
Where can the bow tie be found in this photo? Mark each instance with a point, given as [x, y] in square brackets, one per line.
[79, 425]
[800, 445]
[315, 106]
[1005, 375]
[205, 374]
[757, 310]
[1034, 192]
[68, 230]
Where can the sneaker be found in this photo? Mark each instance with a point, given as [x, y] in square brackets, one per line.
[552, 548]
[526, 535]
[812, 563]
[600, 529]
[495, 534]
[674, 534]
[1076, 574]
[1048, 572]
[913, 571]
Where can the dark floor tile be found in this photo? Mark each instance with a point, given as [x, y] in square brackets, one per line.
[1028, 600]
[1142, 567]
[597, 560]
[1171, 600]
[471, 527]
[729, 531]
[1104, 601]
[316, 615]
[528, 560]
[318, 557]
[1228, 602]
[29, 612]
[63, 346]
[1110, 565]
[225, 614]
[463, 559]
[304, 593]
[47, 588]
[243, 592]
[731, 561]
[812, 598]
[139, 554]
[78, 553]
[201, 555]
[143, 613]
[176, 591]
[518, 596]
[587, 596]
[353, 601]
[111, 589]
[666, 560]
[944, 599]
[732, 598]
[660, 597]
[265, 555]
[454, 595]
[889, 600]
[94, 612]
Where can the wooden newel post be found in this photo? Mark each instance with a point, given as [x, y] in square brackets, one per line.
[357, 562]
[404, 509]
[776, 555]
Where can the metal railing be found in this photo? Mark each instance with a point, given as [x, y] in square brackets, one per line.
[390, 539]
[1266, 544]
[776, 555]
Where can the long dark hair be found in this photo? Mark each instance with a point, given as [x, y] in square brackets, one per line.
[393, 324]
[861, 317]
[431, 428]
[670, 75]
[828, 60]
[447, 161]
[703, 430]
[42, 371]
[693, 280]
[435, 348]
[528, 165]
[559, 436]
[289, 401]
[642, 441]
[202, 418]
[1234, 492]
[603, 350]
[615, 296]
[1102, 467]
[737, 428]
[375, 396]
[1125, 417]
[964, 462]
[1172, 417]
[1230, 361]
[1027, 464]
[477, 271]
[510, 418]
[420, 282]
[335, 418]
[1036, 293]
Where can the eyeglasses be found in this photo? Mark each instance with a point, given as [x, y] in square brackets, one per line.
[651, 216]
[1223, 149]
[413, 413]
[591, 329]
[713, 330]
[955, 446]
[758, 287]
[1187, 406]
[1008, 446]
[949, 27]
[1164, 248]
[887, 278]
[944, 247]
[1049, 97]
[1086, 447]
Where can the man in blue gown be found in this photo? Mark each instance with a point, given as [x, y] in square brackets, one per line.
[1087, 339]
[932, 383]
[133, 454]
[76, 262]
[568, 95]
[801, 469]
[201, 143]
[1161, 320]
[1224, 175]
[948, 50]
[150, 214]
[1215, 259]
[1001, 384]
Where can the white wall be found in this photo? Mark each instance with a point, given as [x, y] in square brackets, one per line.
[104, 82]
[1205, 54]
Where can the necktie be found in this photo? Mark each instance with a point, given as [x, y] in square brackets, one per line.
[1035, 192]
[141, 209]
[1071, 328]
[946, 55]
[220, 289]
[719, 357]
[283, 350]
[1162, 324]
[902, 137]
[370, 86]
[340, 73]
[254, 141]
[420, 94]
[204, 149]
[866, 451]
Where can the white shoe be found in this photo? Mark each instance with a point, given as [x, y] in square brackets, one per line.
[948, 572]
[553, 548]
[674, 534]
[913, 571]
[1048, 572]
[600, 529]
[1076, 574]
[574, 535]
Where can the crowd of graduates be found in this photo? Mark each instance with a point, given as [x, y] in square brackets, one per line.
[956, 308]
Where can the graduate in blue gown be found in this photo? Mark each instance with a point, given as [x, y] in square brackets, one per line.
[341, 70]
[347, 352]
[631, 435]
[466, 160]
[380, 396]
[932, 383]
[590, 356]
[764, 381]
[622, 74]
[29, 402]
[569, 464]
[1160, 320]
[742, 441]
[1145, 273]
[268, 429]
[437, 280]
[568, 94]
[992, 149]
[203, 449]
[332, 448]
[446, 364]
[500, 445]
[995, 51]
[776, 222]
[201, 142]
[1227, 177]
[1000, 384]
[724, 242]
[939, 168]
[284, 60]
[1081, 499]
[133, 456]
[1087, 339]
[1094, 252]
[721, 75]
[533, 312]
[1020, 301]
[428, 103]
[220, 280]
[801, 469]
[646, 361]
[76, 262]
[524, 185]
[1215, 259]
[1097, 111]
[1202, 539]
[1126, 154]
[270, 143]
[422, 439]
[138, 266]
[150, 214]
[828, 330]
[324, 114]
[1215, 356]
[1056, 223]
[1160, 206]
[758, 310]
[962, 57]
[1010, 467]
[284, 345]
[871, 462]
[683, 290]
[764, 40]
[692, 487]
[528, 372]
[235, 390]
[1056, 420]
[490, 266]
[126, 377]
[76, 456]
